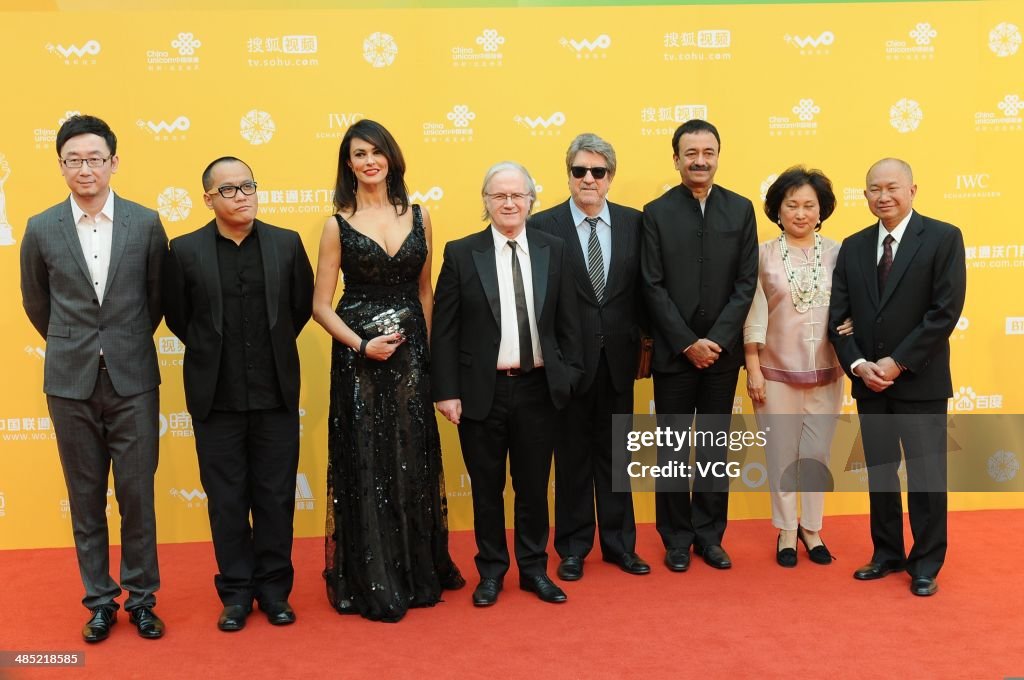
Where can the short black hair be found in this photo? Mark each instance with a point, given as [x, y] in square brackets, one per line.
[691, 127]
[794, 178]
[208, 172]
[85, 125]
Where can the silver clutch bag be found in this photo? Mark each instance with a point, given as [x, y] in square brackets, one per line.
[386, 323]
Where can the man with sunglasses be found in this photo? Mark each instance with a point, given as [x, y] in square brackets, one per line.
[90, 284]
[699, 263]
[602, 244]
[237, 292]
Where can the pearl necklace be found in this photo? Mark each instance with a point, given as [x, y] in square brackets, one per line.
[803, 295]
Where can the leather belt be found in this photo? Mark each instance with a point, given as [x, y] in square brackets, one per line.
[516, 372]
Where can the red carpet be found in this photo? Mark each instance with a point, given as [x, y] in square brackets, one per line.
[756, 620]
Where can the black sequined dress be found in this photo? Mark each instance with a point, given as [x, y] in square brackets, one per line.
[387, 536]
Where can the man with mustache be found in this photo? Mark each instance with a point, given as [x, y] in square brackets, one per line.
[699, 264]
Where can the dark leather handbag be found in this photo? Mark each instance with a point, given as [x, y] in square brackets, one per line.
[387, 322]
[644, 357]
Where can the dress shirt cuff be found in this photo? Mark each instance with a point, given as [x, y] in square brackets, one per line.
[855, 364]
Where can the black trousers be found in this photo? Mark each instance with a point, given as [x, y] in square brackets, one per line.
[521, 428]
[583, 473]
[680, 519]
[247, 463]
[921, 428]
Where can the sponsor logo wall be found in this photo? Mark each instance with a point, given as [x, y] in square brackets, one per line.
[827, 85]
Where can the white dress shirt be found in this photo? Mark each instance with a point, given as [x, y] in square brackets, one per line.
[96, 235]
[604, 234]
[508, 348]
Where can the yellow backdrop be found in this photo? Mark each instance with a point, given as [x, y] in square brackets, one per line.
[833, 86]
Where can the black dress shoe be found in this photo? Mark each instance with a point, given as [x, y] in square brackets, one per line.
[278, 613]
[714, 555]
[486, 593]
[873, 570]
[452, 580]
[819, 554]
[149, 624]
[571, 568]
[923, 586]
[631, 563]
[785, 557]
[98, 627]
[544, 588]
[233, 617]
[677, 559]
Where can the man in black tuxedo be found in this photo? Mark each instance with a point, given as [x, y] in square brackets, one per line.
[237, 292]
[699, 264]
[602, 243]
[903, 281]
[505, 357]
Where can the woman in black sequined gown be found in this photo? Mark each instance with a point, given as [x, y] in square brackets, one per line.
[387, 536]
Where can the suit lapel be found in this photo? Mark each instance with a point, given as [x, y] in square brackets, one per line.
[66, 221]
[567, 232]
[904, 254]
[271, 271]
[487, 270]
[119, 238]
[211, 274]
[869, 262]
[540, 256]
[619, 238]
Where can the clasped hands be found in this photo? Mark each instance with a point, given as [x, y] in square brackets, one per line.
[878, 375]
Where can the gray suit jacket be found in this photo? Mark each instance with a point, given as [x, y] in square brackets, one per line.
[58, 296]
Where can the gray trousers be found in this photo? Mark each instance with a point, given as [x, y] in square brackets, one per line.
[92, 434]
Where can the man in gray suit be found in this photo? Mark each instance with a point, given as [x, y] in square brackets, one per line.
[90, 284]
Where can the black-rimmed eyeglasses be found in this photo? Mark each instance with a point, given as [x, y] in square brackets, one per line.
[76, 163]
[229, 190]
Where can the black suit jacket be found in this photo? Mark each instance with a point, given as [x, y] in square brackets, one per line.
[193, 308]
[616, 322]
[912, 319]
[467, 321]
[700, 274]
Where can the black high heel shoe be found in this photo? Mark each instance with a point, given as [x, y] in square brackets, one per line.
[786, 557]
[819, 554]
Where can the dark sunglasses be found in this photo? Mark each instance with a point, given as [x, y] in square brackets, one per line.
[579, 172]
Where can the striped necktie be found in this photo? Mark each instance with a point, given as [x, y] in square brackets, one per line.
[595, 260]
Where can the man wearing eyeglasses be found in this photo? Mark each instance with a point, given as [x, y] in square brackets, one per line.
[90, 284]
[505, 356]
[602, 242]
[699, 263]
[237, 293]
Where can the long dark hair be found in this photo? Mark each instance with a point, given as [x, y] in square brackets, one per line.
[345, 184]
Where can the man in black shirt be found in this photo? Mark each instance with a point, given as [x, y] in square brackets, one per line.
[238, 291]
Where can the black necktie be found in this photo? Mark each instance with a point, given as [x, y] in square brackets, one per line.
[885, 264]
[595, 260]
[522, 316]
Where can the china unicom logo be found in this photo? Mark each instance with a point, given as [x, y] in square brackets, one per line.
[768, 181]
[186, 44]
[257, 127]
[557, 119]
[431, 194]
[1004, 40]
[379, 50]
[905, 115]
[1011, 105]
[806, 109]
[1003, 466]
[461, 116]
[923, 34]
[174, 204]
[91, 48]
[490, 40]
